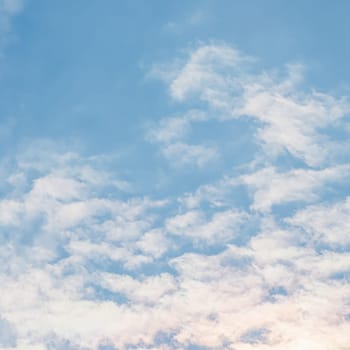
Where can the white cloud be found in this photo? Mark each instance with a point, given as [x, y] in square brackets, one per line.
[327, 224]
[169, 135]
[85, 262]
[272, 188]
[223, 226]
[290, 119]
[153, 243]
[182, 154]
[212, 301]
[169, 129]
[175, 128]
[149, 290]
[202, 74]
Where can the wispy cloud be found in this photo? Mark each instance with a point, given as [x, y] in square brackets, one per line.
[182, 154]
[273, 188]
[290, 119]
[170, 135]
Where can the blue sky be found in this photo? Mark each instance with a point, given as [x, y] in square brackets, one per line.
[174, 175]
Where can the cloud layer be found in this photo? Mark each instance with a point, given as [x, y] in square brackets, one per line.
[256, 259]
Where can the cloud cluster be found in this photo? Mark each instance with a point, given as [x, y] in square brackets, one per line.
[170, 135]
[257, 259]
[290, 119]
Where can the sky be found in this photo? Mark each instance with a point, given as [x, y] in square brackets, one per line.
[174, 175]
